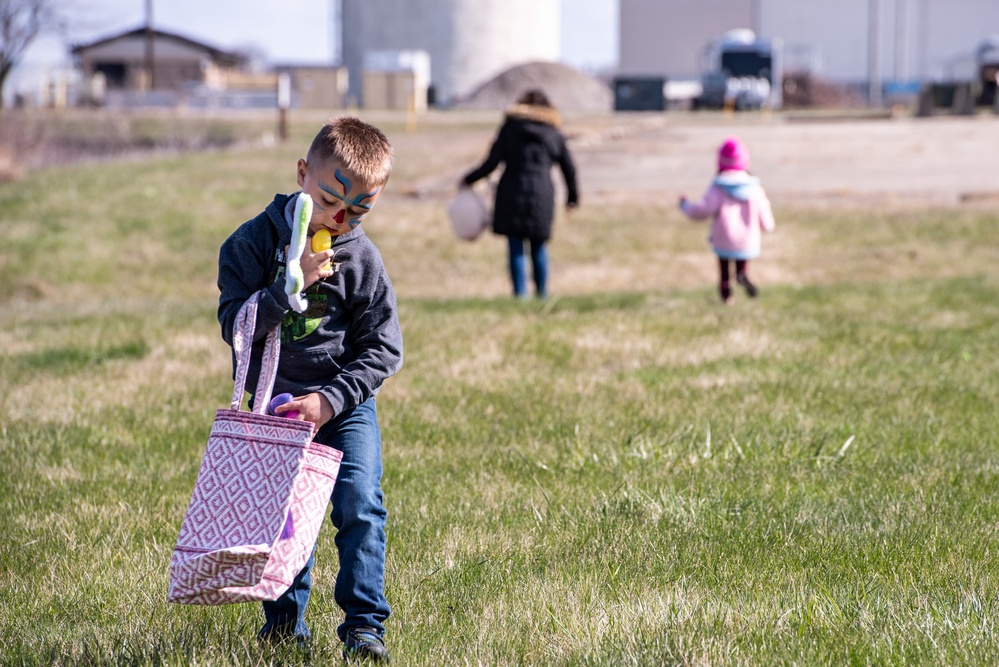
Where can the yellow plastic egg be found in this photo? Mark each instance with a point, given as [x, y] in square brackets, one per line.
[321, 240]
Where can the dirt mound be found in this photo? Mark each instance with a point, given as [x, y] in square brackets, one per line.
[567, 87]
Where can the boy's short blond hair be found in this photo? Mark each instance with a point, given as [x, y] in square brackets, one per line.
[361, 148]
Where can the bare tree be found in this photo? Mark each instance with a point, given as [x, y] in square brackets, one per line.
[21, 21]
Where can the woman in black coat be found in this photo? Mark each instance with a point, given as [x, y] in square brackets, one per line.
[529, 143]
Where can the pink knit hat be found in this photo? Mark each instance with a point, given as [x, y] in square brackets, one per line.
[733, 154]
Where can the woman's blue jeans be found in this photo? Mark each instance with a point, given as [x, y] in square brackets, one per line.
[359, 517]
[518, 266]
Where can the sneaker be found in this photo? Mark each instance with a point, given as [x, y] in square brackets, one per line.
[750, 287]
[364, 643]
[299, 642]
[279, 634]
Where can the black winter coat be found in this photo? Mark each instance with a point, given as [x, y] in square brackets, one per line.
[528, 144]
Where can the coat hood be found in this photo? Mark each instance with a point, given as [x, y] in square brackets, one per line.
[540, 114]
[737, 184]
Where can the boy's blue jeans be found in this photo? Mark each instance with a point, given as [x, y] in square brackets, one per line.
[518, 266]
[359, 517]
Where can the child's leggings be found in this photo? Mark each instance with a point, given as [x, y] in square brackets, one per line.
[740, 268]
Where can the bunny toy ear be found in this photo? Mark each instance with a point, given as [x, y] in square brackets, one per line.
[294, 279]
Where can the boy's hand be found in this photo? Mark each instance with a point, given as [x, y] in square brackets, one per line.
[315, 265]
[313, 408]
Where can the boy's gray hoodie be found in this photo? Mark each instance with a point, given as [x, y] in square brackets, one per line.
[346, 343]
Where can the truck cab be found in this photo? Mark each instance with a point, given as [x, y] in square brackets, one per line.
[742, 71]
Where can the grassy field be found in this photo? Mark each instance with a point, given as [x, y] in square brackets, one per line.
[626, 474]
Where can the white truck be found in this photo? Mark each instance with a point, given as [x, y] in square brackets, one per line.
[987, 60]
[742, 71]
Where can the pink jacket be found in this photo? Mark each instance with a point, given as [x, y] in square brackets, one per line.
[741, 212]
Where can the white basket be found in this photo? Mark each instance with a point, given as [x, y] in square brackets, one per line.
[469, 214]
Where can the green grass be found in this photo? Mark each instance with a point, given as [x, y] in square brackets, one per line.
[619, 475]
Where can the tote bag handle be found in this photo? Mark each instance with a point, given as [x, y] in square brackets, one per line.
[242, 344]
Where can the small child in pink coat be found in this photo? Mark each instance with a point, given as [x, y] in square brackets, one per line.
[741, 211]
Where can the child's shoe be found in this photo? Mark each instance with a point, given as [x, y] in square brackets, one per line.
[743, 280]
[290, 632]
[726, 293]
[364, 643]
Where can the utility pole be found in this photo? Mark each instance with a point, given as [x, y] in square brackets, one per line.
[873, 53]
[336, 32]
[923, 40]
[150, 38]
[901, 39]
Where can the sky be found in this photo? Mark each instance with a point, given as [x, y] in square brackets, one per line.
[589, 30]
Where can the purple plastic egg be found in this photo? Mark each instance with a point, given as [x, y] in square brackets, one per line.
[281, 399]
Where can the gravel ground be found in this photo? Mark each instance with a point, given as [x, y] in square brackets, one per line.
[800, 160]
[569, 89]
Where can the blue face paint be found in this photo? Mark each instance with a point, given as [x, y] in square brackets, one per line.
[344, 181]
[354, 220]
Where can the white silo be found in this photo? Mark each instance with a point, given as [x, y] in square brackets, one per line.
[469, 41]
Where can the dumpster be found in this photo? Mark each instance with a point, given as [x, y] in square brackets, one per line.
[636, 93]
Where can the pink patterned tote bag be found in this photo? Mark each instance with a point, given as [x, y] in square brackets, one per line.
[260, 498]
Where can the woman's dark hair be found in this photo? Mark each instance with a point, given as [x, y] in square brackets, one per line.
[535, 97]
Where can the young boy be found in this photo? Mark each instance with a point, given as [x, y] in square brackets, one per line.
[334, 358]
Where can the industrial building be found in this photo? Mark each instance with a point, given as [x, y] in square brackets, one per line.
[870, 43]
[468, 41]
